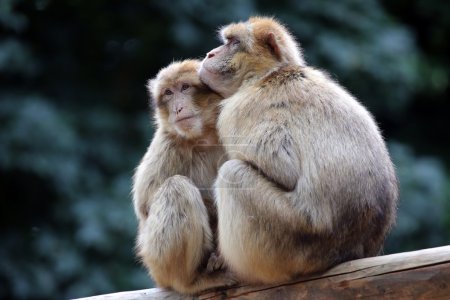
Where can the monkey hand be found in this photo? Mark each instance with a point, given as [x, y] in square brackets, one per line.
[215, 263]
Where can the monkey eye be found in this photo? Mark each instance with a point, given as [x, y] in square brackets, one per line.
[233, 41]
[168, 92]
[184, 87]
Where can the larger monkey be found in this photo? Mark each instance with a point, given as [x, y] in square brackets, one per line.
[172, 186]
[311, 184]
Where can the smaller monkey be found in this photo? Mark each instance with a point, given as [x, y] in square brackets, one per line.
[172, 193]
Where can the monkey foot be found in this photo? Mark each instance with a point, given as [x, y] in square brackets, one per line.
[215, 263]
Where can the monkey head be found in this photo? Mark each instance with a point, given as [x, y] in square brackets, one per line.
[250, 49]
[184, 106]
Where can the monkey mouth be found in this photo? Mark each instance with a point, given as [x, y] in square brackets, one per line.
[185, 118]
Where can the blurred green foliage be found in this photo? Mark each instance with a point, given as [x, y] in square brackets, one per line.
[74, 119]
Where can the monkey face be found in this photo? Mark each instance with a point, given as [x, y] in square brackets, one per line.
[218, 69]
[250, 50]
[226, 67]
[184, 105]
[182, 114]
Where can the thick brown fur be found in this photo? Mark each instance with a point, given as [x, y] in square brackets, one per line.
[310, 182]
[172, 193]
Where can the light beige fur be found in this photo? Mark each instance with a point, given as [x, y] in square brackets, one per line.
[172, 193]
[310, 182]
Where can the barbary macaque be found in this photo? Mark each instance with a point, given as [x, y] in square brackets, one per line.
[172, 186]
[309, 183]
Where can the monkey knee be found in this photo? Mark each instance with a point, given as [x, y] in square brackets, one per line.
[178, 180]
[231, 173]
[173, 231]
[232, 164]
[177, 196]
[176, 190]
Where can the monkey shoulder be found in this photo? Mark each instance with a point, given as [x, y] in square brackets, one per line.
[282, 76]
[310, 92]
[165, 157]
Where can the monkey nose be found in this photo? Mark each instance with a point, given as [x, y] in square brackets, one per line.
[209, 55]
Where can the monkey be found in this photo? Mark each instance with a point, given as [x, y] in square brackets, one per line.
[172, 193]
[309, 182]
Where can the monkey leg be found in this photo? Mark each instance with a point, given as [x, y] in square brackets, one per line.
[258, 226]
[175, 240]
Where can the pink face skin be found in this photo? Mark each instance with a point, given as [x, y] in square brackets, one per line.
[216, 70]
[182, 115]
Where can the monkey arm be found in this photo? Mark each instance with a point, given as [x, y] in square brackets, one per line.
[146, 184]
[242, 192]
[269, 178]
[151, 173]
[272, 153]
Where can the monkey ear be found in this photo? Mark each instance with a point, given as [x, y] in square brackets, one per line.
[271, 41]
[151, 85]
[150, 88]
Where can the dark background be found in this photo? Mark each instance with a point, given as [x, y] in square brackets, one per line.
[74, 119]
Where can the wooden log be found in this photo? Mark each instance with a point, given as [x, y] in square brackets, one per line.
[423, 274]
